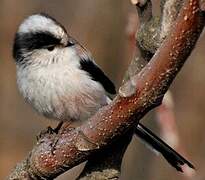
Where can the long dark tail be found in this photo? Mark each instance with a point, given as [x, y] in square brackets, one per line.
[174, 158]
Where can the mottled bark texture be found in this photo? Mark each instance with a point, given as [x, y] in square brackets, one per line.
[110, 123]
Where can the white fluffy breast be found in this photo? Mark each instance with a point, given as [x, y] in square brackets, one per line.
[61, 90]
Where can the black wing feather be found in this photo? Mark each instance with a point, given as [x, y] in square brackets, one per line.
[97, 75]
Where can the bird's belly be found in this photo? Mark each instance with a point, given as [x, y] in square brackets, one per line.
[62, 96]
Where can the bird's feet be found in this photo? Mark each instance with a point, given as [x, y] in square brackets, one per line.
[57, 129]
[49, 131]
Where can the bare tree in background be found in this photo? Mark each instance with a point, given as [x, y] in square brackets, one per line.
[103, 139]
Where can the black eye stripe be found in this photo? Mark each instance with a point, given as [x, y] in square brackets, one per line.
[36, 40]
[31, 41]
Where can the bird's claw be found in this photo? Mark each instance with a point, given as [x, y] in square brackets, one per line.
[53, 146]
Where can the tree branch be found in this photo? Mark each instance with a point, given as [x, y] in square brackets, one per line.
[106, 164]
[111, 122]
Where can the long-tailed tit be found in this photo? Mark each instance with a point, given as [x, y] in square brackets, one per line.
[60, 80]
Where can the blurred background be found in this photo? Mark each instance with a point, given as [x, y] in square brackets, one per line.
[101, 27]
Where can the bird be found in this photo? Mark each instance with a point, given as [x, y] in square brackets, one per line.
[59, 78]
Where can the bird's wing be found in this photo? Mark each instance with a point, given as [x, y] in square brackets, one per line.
[94, 71]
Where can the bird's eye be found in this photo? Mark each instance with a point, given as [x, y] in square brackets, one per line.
[51, 48]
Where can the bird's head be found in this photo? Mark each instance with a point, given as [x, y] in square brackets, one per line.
[40, 38]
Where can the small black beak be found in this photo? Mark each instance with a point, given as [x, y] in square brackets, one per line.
[70, 43]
